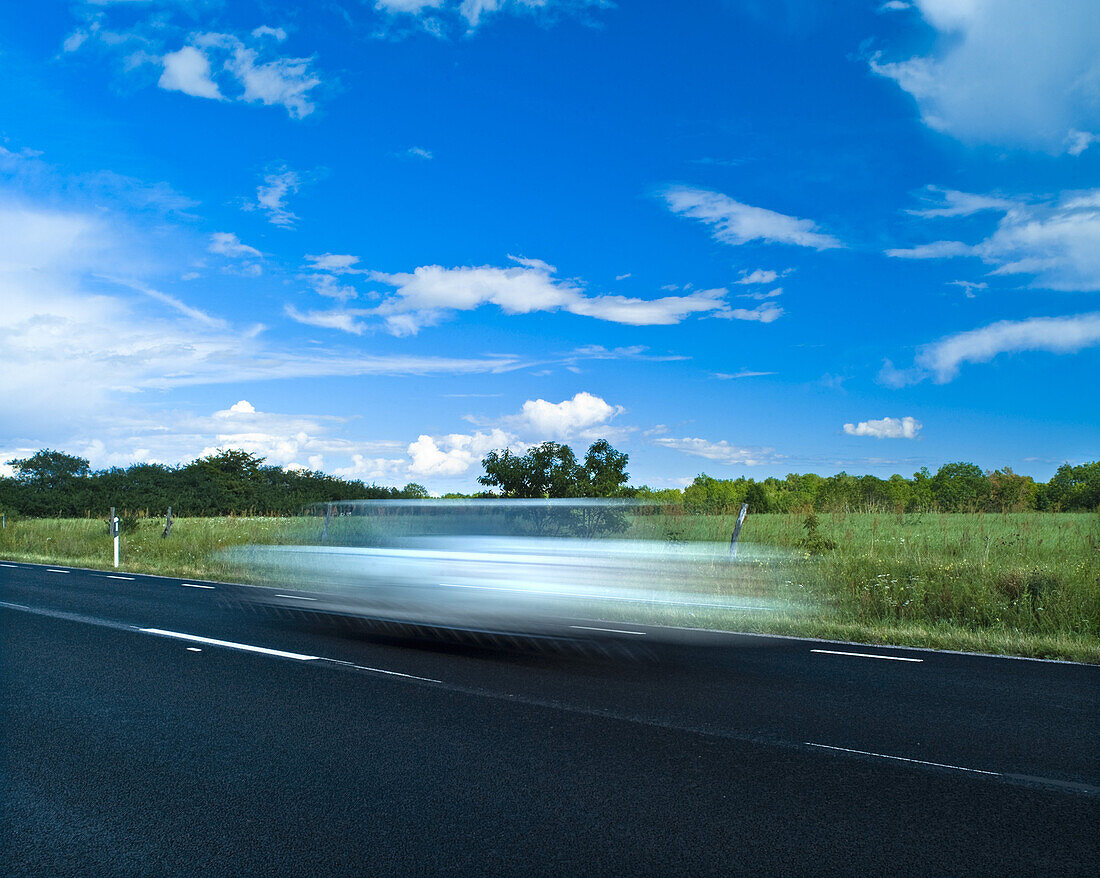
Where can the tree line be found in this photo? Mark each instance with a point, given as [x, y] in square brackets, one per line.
[52, 483]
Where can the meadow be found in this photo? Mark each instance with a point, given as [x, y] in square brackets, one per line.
[1016, 583]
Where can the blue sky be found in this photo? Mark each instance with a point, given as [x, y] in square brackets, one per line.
[383, 238]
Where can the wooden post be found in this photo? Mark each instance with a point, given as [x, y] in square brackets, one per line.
[737, 529]
[168, 524]
[328, 515]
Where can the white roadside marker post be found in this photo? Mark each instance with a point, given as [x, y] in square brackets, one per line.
[114, 533]
[737, 529]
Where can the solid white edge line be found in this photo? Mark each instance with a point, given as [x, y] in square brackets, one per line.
[395, 674]
[230, 644]
[893, 658]
[609, 630]
[193, 585]
[905, 759]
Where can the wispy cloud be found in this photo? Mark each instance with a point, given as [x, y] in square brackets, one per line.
[228, 244]
[1057, 241]
[432, 293]
[441, 17]
[738, 223]
[744, 373]
[941, 360]
[722, 451]
[271, 196]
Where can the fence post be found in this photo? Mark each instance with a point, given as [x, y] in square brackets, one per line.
[328, 515]
[168, 524]
[737, 529]
[114, 532]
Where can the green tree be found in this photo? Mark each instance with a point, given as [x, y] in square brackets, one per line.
[605, 470]
[960, 487]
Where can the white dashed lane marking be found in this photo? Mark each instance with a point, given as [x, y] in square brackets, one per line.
[54, 570]
[229, 644]
[194, 585]
[892, 658]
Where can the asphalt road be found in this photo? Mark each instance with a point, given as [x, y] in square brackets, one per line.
[134, 745]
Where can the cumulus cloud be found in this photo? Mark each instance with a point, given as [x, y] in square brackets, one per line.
[456, 453]
[941, 360]
[886, 428]
[737, 223]
[431, 293]
[1057, 241]
[1007, 72]
[722, 452]
[188, 70]
[576, 417]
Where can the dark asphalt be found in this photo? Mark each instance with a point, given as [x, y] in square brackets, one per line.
[126, 753]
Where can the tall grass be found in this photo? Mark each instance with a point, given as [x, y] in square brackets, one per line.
[1022, 583]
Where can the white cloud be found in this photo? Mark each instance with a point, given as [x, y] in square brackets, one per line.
[737, 223]
[228, 244]
[280, 81]
[435, 14]
[264, 31]
[346, 319]
[886, 428]
[416, 152]
[74, 40]
[188, 70]
[1007, 72]
[722, 451]
[954, 203]
[765, 313]
[75, 347]
[334, 263]
[762, 276]
[271, 196]
[744, 373]
[431, 293]
[327, 285]
[456, 453]
[941, 359]
[1058, 242]
[894, 6]
[411, 7]
[762, 297]
[1078, 141]
[968, 287]
[579, 416]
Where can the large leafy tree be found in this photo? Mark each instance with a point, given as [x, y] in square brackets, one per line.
[552, 470]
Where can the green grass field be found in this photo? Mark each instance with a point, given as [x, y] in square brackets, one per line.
[1020, 584]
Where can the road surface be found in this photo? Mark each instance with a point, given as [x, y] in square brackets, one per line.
[151, 726]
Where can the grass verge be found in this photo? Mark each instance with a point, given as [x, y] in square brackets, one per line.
[1024, 584]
